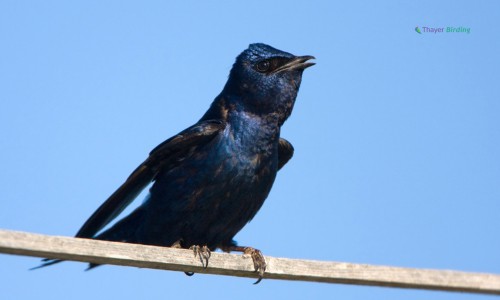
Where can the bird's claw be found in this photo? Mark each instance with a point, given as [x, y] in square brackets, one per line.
[177, 244]
[259, 261]
[203, 253]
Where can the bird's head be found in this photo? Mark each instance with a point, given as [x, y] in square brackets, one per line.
[266, 80]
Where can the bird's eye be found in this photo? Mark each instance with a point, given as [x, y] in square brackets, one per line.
[263, 66]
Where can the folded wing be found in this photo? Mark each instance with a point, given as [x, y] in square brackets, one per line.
[163, 156]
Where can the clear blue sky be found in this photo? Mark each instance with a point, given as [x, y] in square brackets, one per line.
[396, 134]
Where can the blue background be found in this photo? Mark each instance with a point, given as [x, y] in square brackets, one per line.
[396, 134]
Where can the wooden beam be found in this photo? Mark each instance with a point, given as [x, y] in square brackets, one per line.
[124, 254]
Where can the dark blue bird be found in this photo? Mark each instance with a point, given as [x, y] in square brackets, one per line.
[212, 178]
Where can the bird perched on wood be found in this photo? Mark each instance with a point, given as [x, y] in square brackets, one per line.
[212, 178]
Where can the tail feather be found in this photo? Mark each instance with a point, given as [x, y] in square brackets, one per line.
[91, 266]
[47, 262]
[123, 231]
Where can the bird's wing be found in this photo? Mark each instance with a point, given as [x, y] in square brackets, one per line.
[165, 154]
[285, 152]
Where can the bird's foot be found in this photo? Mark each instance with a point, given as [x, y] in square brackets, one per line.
[178, 245]
[203, 253]
[259, 261]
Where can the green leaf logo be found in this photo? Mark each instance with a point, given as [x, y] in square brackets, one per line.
[418, 30]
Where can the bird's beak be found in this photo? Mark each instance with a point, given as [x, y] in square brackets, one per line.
[297, 63]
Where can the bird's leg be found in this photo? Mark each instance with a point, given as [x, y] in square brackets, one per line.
[203, 252]
[259, 261]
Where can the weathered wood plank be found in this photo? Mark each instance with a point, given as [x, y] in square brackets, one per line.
[102, 252]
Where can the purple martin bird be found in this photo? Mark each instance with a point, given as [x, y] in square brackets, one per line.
[212, 178]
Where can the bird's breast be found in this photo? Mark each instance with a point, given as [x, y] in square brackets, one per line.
[251, 143]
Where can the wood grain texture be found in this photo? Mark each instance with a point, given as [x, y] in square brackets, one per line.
[103, 252]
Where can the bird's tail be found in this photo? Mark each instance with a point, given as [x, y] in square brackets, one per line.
[122, 231]
[47, 262]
